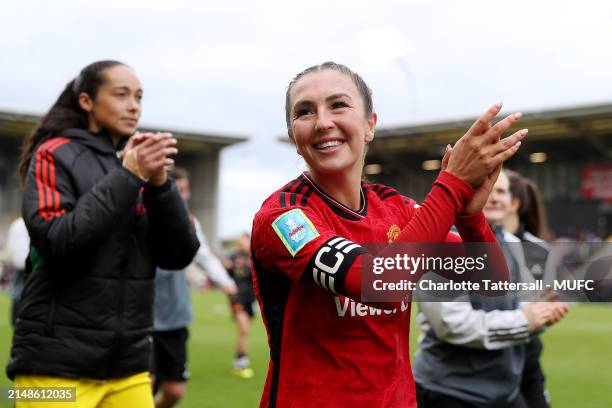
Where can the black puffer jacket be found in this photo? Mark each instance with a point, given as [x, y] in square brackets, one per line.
[97, 234]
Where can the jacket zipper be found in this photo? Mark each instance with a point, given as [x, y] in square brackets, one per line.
[120, 308]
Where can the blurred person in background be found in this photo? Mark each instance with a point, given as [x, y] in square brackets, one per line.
[173, 312]
[239, 267]
[18, 245]
[101, 214]
[472, 353]
[526, 219]
[527, 215]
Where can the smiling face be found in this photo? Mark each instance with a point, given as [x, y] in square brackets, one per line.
[499, 204]
[116, 107]
[328, 123]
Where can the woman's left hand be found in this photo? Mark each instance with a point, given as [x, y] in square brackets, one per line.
[482, 193]
[159, 177]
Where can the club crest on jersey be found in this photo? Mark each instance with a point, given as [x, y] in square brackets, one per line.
[393, 233]
[295, 230]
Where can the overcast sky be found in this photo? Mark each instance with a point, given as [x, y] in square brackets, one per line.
[223, 66]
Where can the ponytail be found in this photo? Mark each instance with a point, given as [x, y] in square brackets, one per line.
[66, 112]
[531, 211]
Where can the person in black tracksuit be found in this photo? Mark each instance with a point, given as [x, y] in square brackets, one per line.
[527, 220]
[100, 222]
[239, 268]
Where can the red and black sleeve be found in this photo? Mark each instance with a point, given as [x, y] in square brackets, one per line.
[335, 262]
[61, 223]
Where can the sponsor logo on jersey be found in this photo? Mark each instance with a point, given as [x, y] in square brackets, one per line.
[295, 230]
[346, 307]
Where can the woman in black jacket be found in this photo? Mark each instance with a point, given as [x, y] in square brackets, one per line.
[101, 214]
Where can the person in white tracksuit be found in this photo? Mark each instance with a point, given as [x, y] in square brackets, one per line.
[471, 352]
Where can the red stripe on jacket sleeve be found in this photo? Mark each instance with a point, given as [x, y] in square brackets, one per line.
[45, 177]
[39, 183]
[48, 194]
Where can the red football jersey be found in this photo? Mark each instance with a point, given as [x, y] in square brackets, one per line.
[328, 350]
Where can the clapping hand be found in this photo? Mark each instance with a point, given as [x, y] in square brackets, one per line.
[146, 155]
[478, 156]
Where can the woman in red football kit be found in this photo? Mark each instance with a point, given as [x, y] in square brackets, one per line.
[327, 349]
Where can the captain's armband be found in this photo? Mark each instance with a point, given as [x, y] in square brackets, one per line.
[331, 262]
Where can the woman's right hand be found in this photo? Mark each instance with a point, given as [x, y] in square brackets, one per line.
[480, 151]
[539, 314]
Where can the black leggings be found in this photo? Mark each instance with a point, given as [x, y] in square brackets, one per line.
[533, 388]
[431, 399]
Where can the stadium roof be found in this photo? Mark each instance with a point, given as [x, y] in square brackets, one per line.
[581, 129]
[16, 124]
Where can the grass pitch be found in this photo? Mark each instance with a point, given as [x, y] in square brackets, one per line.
[577, 356]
